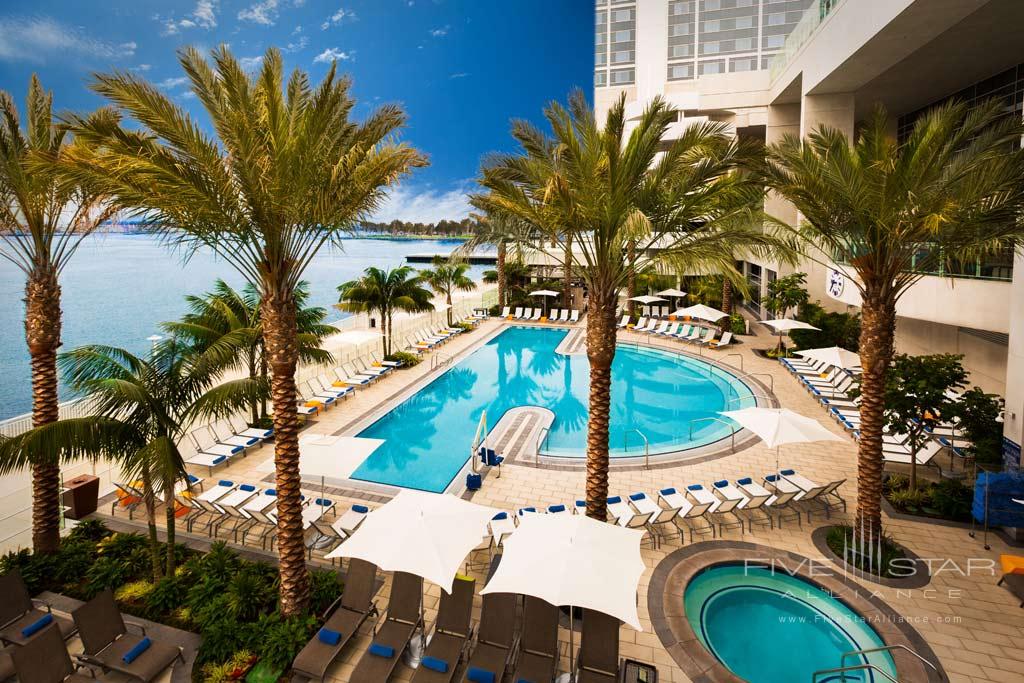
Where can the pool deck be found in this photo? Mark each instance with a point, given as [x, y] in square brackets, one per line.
[973, 626]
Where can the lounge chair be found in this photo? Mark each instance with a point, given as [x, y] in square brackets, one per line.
[623, 322]
[689, 511]
[709, 338]
[229, 437]
[107, 643]
[640, 323]
[598, 660]
[205, 503]
[694, 335]
[657, 516]
[501, 525]
[726, 340]
[537, 314]
[806, 494]
[347, 615]
[559, 509]
[495, 638]
[518, 313]
[240, 426]
[553, 315]
[750, 505]
[235, 520]
[527, 313]
[730, 500]
[44, 659]
[661, 329]
[777, 503]
[574, 317]
[538, 646]
[391, 636]
[565, 316]
[352, 518]
[505, 311]
[452, 631]
[21, 616]
[652, 324]
[622, 514]
[683, 332]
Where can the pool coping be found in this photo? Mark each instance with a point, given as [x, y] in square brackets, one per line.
[703, 453]
[667, 588]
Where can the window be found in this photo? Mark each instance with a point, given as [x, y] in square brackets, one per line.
[678, 72]
[601, 59]
[600, 79]
[744, 22]
[711, 26]
[622, 77]
[743, 44]
[680, 8]
[623, 15]
[710, 48]
[622, 57]
[708, 68]
[712, 5]
[776, 19]
[774, 41]
[622, 36]
[745, 64]
[679, 30]
[681, 51]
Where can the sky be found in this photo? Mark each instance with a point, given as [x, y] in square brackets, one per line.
[461, 68]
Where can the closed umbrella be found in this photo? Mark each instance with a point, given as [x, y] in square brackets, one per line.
[786, 325]
[544, 293]
[778, 426]
[573, 560]
[833, 356]
[426, 534]
[701, 312]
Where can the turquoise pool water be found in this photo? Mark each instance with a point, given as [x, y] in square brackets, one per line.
[428, 436]
[770, 627]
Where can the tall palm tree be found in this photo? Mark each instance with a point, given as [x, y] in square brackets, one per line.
[143, 407]
[889, 212]
[287, 172]
[447, 277]
[225, 324]
[42, 223]
[608, 191]
[385, 291]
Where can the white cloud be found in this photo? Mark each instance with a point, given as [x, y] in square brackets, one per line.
[187, 95]
[204, 15]
[296, 45]
[34, 39]
[250, 63]
[458, 74]
[440, 32]
[333, 54]
[425, 204]
[264, 13]
[341, 15]
[172, 83]
[143, 67]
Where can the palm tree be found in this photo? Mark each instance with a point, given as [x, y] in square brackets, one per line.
[496, 230]
[225, 324]
[889, 212]
[287, 172]
[143, 408]
[385, 291]
[609, 191]
[42, 223]
[447, 277]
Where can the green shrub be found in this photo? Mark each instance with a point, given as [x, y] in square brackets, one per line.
[840, 541]
[217, 673]
[835, 329]
[897, 482]
[36, 570]
[908, 500]
[737, 325]
[167, 594]
[950, 498]
[221, 639]
[494, 310]
[94, 530]
[251, 592]
[325, 588]
[465, 327]
[281, 639]
[134, 593]
[265, 422]
[410, 359]
[122, 546]
[106, 572]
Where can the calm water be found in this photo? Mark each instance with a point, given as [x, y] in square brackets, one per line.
[118, 288]
[427, 437]
[774, 628]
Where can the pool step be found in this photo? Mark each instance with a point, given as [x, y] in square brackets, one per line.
[573, 343]
[516, 434]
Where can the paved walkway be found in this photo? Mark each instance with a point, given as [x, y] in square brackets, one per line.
[974, 626]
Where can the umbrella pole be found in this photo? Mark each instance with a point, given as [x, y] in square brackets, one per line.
[572, 639]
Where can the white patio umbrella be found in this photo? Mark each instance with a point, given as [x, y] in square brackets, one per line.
[785, 325]
[673, 293]
[702, 312]
[834, 356]
[779, 426]
[544, 293]
[575, 561]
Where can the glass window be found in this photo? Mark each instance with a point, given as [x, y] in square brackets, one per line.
[776, 19]
[601, 59]
[680, 8]
[622, 36]
[710, 48]
[681, 51]
[622, 57]
[622, 77]
[747, 64]
[678, 72]
[712, 4]
[774, 41]
[707, 68]
[600, 78]
[711, 26]
[622, 15]
[743, 44]
[744, 22]
[679, 30]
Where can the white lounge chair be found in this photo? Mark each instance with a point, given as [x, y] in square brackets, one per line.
[527, 313]
[640, 324]
[501, 526]
[623, 514]
[574, 317]
[749, 505]
[695, 334]
[657, 515]
[241, 428]
[206, 503]
[683, 332]
[709, 338]
[661, 329]
[553, 315]
[559, 509]
[721, 343]
[505, 311]
[777, 502]
[229, 437]
[538, 313]
[623, 322]
[689, 512]
[565, 316]
[730, 500]
[352, 518]
[519, 313]
[579, 507]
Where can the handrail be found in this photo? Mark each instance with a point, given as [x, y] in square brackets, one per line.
[738, 355]
[542, 436]
[843, 669]
[478, 440]
[771, 379]
[439, 360]
[885, 648]
[753, 394]
[730, 425]
[647, 445]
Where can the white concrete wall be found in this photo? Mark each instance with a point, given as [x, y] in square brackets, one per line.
[1014, 426]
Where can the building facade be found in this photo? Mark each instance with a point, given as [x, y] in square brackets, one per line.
[771, 68]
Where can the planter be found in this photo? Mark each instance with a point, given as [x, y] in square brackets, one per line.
[917, 573]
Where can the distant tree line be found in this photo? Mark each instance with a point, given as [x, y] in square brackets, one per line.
[467, 226]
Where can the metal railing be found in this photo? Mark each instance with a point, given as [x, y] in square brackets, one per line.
[843, 670]
[801, 34]
[439, 360]
[886, 648]
[542, 437]
[732, 429]
[647, 445]
[738, 355]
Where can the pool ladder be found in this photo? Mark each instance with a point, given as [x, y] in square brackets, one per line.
[839, 674]
[647, 445]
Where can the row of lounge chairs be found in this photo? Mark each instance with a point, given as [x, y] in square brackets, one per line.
[686, 332]
[219, 442]
[483, 655]
[832, 387]
[656, 311]
[34, 640]
[785, 495]
[563, 315]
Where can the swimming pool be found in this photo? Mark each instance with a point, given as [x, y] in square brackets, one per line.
[770, 627]
[427, 437]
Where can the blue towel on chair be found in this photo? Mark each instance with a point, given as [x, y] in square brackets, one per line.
[328, 637]
[787, 472]
[134, 653]
[37, 626]
[668, 491]
[435, 664]
[379, 650]
[614, 499]
[745, 481]
[694, 487]
[637, 496]
[478, 675]
[360, 508]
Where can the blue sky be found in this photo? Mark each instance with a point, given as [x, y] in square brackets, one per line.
[461, 68]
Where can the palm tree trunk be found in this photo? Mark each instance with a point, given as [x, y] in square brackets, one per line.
[255, 406]
[600, 352]
[279, 329]
[264, 373]
[149, 503]
[385, 330]
[567, 275]
[502, 285]
[42, 333]
[878, 328]
[171, 519]
[448, 300]
[727, 296]
[631, 281]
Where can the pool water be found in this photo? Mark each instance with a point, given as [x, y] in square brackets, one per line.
[428, 436]
[770, 627]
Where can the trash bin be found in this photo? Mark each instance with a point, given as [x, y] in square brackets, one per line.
[80, 496]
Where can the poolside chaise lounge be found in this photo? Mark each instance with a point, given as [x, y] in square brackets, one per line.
[518, 312]
[107, 643]
[624, 322]
[495, 638]
[553, 315]
[726, 340]
[574, 317]
[688, 512]
[708, 338]
[598, 660]
[775, 503]
[683, 332]
[750, 504]
[527, 314]
[44, 659]
[392, 634]
[353, 517]
[620, 512]
[724, 513]
[501, 525]
[452, 631]
[346, 616]
[657, 516]
[240, 427]
[229, 436]
[538, 645]
[21, 616]
[695, 334]
[640, 324]
[505, 311]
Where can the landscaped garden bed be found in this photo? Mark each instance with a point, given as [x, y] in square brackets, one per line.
[948, 499]
[230, 601]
